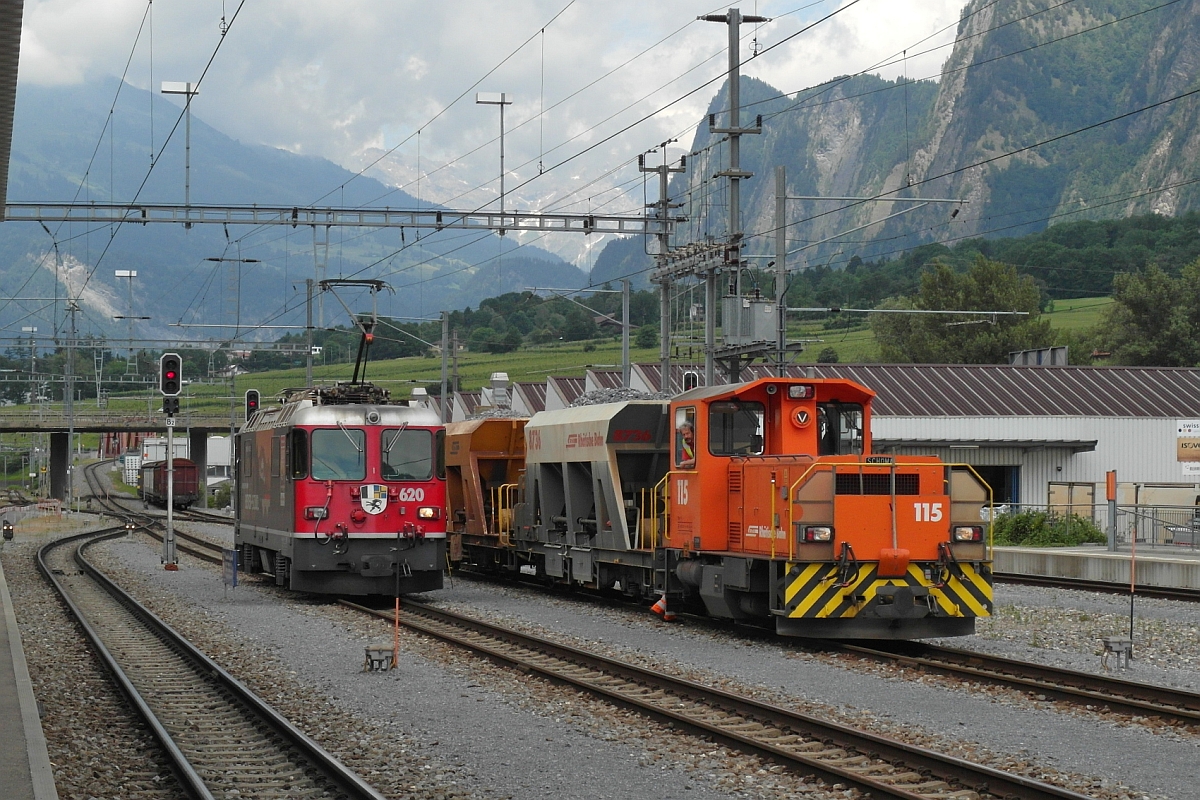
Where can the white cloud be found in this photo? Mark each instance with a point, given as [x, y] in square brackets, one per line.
[341, 79]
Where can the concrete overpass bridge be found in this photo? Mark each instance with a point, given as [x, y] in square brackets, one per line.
[195, 427]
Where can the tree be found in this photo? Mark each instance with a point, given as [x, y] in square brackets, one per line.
[945, 339]
[1155, 320]
[646, 337]
[827, 356]
[579, 325]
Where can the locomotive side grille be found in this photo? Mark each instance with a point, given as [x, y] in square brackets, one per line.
[876, 483]
[735, 481]
[735, 535]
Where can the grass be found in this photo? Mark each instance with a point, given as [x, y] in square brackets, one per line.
[1078, 314]
[529, 364]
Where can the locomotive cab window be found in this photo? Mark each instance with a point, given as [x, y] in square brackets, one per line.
[839, 429]
[439, 451]
[407, 455]
[735, 428]
[338, 454]
[299, 452]
[685, 438]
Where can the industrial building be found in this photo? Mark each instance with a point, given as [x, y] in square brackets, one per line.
[1039, 434]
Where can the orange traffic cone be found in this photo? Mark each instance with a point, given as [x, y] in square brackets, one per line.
[660, 607]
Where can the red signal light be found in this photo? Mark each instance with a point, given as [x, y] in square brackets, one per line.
[170, 381]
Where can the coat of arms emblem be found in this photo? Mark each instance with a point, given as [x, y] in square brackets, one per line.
[374, 498]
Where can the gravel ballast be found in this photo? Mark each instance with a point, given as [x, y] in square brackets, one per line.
[449, 725]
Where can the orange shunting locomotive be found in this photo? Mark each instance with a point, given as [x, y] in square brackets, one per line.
[760, 500]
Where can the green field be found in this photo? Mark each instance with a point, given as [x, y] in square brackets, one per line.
[1079, 314]
[531, 364]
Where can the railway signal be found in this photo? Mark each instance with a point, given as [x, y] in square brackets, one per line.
[251, 402]
[170, 374]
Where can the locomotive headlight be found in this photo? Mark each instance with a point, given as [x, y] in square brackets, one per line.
[968, 533]
[315, 512]
[818, 533]
[428, 512]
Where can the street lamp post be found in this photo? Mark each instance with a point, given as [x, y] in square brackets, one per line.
[188, 90]
[131, 363]
[501, 99]
[31, 330]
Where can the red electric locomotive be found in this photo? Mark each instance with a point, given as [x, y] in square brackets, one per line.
[339, 491]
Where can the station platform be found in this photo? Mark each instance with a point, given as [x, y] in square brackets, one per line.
[25, 772]
[1170, 567]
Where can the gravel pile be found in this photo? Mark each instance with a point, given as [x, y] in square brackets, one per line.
[497, 413]
[599, 396]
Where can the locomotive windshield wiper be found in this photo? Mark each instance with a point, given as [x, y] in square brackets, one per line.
[353, 443]
[387, 450]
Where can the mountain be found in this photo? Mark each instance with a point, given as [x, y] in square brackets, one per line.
[1049, 87]
[62, 151]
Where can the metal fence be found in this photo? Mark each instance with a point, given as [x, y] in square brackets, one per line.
[1174, 527]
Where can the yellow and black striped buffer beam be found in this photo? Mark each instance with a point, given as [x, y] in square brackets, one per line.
[814, 590]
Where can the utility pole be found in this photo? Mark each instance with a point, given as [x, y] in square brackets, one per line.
[189, 91]
[733, 20]
[662, 210]
[131, 367]
[454, 387]
[69, 374]
[501, 99]
[445, 364]
[626, 368]
[781, 268]
[308, 333]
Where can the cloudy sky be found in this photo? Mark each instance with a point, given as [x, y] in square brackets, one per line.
[354, 81]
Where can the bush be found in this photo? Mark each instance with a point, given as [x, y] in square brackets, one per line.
[827, 356]
[646, 337]
[1043, 529]
[220, 497]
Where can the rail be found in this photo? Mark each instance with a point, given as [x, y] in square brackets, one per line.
[271, 750]
[875, 766]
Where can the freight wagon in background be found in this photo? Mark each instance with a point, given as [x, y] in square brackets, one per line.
[153, 485]
[757, 501]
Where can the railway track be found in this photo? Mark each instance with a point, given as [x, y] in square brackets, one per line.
[1141, 589]
[196, 546]
[876, 765]
[221, 739]
[1083, 688]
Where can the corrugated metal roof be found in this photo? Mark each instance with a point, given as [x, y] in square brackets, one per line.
[534, 395]
[10, 56]
[1074, 445]
[1002, 390]
[652, 373]
[568, 389]
[470, 400]
[606, 378]
[995, 390]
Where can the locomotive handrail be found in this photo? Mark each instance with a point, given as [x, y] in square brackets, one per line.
[502, 496]
[666, 495]
[807, 474]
